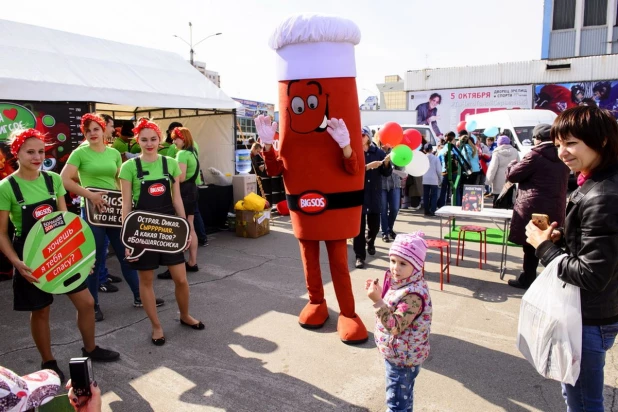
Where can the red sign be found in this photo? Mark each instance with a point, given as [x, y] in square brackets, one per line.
[312, 203]
[73, 228]
[157, 189]
[65, 251]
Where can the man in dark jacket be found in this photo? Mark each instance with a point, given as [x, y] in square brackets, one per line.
[542, 179]
[376, 166]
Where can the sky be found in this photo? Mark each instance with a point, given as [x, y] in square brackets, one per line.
[397, 35]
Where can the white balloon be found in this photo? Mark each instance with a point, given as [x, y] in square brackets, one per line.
[419, 164]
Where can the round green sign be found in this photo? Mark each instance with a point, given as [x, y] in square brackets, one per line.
[60, 250]
[14, 116]
[61, 137]
[48, 121]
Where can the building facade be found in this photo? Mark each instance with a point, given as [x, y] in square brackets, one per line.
[210, 75]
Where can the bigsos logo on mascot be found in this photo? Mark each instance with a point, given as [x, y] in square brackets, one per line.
[312, 203]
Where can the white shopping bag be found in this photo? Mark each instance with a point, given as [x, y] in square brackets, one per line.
[549, 334]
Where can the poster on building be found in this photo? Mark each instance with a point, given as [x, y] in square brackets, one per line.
[443, 109]
[559, 97]
[252, 108]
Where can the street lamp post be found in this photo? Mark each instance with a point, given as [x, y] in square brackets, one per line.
[190, 42]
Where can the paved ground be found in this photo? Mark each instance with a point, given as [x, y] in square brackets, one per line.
[253, 356]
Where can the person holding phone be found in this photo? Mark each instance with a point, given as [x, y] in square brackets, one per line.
[96, 166]
[21, 194]
[138, 178]
[587, 142]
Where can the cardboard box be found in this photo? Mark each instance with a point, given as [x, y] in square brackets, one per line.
[252, 224]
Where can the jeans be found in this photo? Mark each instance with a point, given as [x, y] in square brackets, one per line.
[400, 387]
[103, 272]
[360, 242]
[430, 198]
[531, 263]
[445, 193]
[198, 223]
[587, 394]
[113, 234]
[391, 200]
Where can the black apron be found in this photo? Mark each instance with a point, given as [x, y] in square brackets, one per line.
[151, 197]
[188, 188]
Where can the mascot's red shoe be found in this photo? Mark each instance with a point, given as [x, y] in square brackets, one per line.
[351, 330]
[313, 316]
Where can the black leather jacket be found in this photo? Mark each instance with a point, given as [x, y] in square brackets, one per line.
[591, 242]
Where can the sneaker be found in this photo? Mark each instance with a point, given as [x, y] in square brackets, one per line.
[165, 275]
[371, 249]
[53, 365]
[193, 268]
[393, 235]
[101, 355]
[107, 288]
[137, 302]
[359, 263]
[517, 284]
[202, 242]
[385, 238]
[98, 315]
[113, 279]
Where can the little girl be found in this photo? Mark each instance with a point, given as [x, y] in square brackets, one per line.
[403, 318]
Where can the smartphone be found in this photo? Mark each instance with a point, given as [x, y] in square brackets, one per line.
[541, 221]
[81, 375]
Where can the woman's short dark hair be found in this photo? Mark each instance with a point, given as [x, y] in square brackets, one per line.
[597, 128]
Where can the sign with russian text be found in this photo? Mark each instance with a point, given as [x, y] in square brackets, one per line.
[154, 232]
[444, 109]
[108, 216]
[60, 250]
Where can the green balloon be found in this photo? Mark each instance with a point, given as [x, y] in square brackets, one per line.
[401, 155]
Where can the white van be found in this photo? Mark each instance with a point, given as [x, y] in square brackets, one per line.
[426, 131]
[516, 124]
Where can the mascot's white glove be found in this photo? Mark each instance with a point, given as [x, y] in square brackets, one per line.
[265, 129]
[339, 132]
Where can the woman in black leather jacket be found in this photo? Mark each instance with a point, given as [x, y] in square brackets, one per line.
[587, 141]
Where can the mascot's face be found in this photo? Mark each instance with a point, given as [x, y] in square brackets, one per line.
[307, 106]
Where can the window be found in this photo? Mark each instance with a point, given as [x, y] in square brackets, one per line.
[595, 13]
[564, 14]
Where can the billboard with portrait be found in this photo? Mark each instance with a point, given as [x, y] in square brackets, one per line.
[443, 109]
[562, 96]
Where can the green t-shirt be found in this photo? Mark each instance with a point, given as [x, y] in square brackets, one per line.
[33, 191]
[120, 145]
[168, 149]
[134, 145]
[96, 169]
[128, 171]
[188, 158]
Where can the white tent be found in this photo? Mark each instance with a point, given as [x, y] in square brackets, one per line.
[40, 64]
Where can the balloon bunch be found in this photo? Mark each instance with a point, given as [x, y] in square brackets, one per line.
[472, 126]
[406, 145]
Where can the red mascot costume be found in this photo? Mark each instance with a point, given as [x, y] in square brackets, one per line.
[319, 148]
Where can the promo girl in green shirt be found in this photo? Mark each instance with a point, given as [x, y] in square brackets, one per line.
[26, 196]
[150, 183]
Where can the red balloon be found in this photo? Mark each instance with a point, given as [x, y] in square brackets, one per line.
[461, 126]
[391, 134]
[282, 208]
[412, 138]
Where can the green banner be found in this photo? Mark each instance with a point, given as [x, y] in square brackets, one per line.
[60, 250]
[14, 116]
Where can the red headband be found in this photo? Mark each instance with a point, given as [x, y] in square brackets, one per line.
[95, 118]
[146, 124]
[176, 133]
[19, 140]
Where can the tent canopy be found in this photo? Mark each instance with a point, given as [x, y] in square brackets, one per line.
[42, 64]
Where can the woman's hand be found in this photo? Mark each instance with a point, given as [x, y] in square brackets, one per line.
[536, 236]
[25, 271]
[373, 165]
[188, 243]
[556, 235]
[97, 200]
[90, 403]
[374, 290]
[127, 253]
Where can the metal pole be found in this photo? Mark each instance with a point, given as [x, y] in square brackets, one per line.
[191, 42]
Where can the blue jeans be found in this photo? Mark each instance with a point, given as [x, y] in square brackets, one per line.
[400, 387]
[391, 200]
[198, 223]
[430, 198]
[103, 272]
[113, 234]
[587, 394]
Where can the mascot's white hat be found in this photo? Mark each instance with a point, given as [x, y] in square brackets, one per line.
[311, 46]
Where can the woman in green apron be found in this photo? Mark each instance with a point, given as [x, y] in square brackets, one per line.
[137, 177]
[96, 166]
[189, 179]
[26, 196]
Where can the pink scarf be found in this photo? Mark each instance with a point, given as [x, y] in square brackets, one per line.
[581, 179]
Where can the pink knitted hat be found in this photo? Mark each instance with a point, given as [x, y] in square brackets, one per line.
[411, 247]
